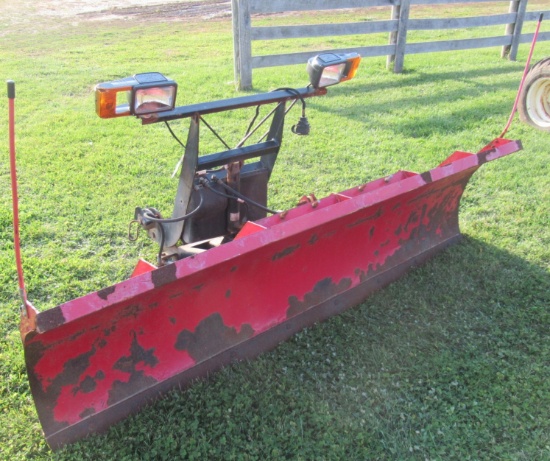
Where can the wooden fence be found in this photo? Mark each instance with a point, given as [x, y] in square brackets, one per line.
[397, 26]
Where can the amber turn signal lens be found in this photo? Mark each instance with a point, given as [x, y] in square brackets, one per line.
[331, 68]
[108, 101]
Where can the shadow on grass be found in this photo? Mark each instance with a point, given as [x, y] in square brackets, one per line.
[425, 90]
[415, 77]
[450, 362]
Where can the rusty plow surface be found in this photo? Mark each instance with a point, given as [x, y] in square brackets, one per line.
[96, 359]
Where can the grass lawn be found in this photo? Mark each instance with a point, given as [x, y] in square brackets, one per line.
[452, 362]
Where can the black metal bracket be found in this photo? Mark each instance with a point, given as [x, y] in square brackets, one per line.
[223, 105]
[266, 152]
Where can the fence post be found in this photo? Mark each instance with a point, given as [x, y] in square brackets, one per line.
[242, 46]
[401, 36]
[236, 50]
[514, 29]
[395, 11]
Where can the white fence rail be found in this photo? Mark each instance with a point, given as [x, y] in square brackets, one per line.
[397, 26]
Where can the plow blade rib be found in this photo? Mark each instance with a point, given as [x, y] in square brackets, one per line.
[96, 359]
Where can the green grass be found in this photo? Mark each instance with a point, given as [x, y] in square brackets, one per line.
[449, 363]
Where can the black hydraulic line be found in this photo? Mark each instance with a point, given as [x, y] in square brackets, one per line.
[207, 184]
[159, 256]
[161, 221]
[179, 218]
[244, 197]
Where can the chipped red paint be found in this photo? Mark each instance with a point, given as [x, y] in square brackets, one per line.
[95, 359]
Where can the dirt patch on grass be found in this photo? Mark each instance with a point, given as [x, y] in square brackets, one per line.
[36, 12]
[208, 9]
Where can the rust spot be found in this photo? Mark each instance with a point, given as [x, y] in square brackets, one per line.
[211, 337]
[198, 287]
[46, 394]
[163, 275]
[329, 234]
[172, 320]
[130, 311]
[412, 220]
[89, 383]
[365, 219]
[431, 193]
[138, 382]
[482, 156]
[234, 268]
[363, 276]
[228, 294]
[322, 291]
[105, 292]
[313, 239]
[286, 252]
[427, 177]
[174, 295]
[108, 331]
[127, 364]
[76, 335]
[50, 319]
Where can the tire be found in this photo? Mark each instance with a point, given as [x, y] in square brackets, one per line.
[534, 101]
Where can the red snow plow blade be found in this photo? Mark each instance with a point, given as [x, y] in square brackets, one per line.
[231, 282]
[94, 360]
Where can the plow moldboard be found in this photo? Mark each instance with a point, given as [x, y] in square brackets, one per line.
[96, 359]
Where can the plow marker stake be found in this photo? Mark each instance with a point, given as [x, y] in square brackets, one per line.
[96, 359]
[28, 312]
